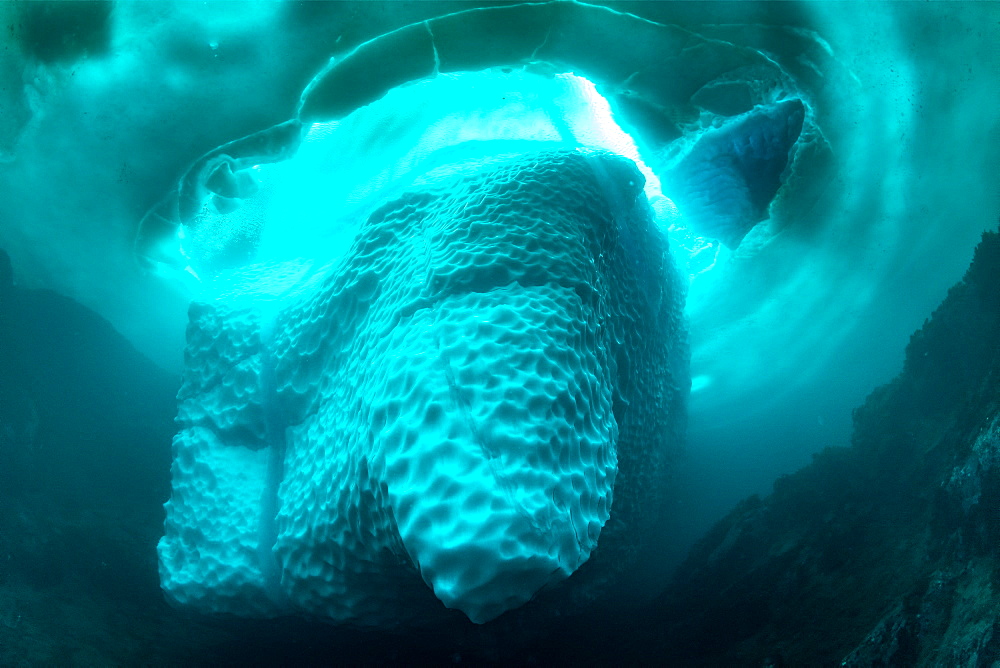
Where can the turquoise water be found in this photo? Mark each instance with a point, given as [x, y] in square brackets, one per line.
[158, 154]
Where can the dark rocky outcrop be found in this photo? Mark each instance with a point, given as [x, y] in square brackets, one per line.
[886, 553]
[102, 412]
[85, 428]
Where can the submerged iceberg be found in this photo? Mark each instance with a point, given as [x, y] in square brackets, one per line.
[497, 360]
[458, 398]
[438, 348]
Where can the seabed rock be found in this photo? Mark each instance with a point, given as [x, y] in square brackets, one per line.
[886, 553]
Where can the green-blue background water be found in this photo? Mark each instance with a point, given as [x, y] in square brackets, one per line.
[105, 104]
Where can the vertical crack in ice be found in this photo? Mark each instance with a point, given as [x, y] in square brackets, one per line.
[437, 56]
[490, 453]
[274, 429]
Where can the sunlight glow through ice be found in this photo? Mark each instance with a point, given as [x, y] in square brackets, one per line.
[310, 204]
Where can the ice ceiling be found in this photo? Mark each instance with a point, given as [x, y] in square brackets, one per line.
[889, 192]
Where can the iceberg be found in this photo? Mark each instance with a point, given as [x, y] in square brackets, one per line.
[437, 357]
[462, 399]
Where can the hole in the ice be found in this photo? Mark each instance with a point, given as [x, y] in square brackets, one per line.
[299, 189]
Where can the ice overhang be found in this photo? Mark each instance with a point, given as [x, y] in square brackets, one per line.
[717, 123]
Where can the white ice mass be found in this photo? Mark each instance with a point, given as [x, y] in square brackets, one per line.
[459, 398]
[294, 470]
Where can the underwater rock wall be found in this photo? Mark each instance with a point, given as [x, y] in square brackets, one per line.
[70, 404]
[886, 553]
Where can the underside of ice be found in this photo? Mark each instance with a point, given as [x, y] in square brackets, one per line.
[726, 182]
